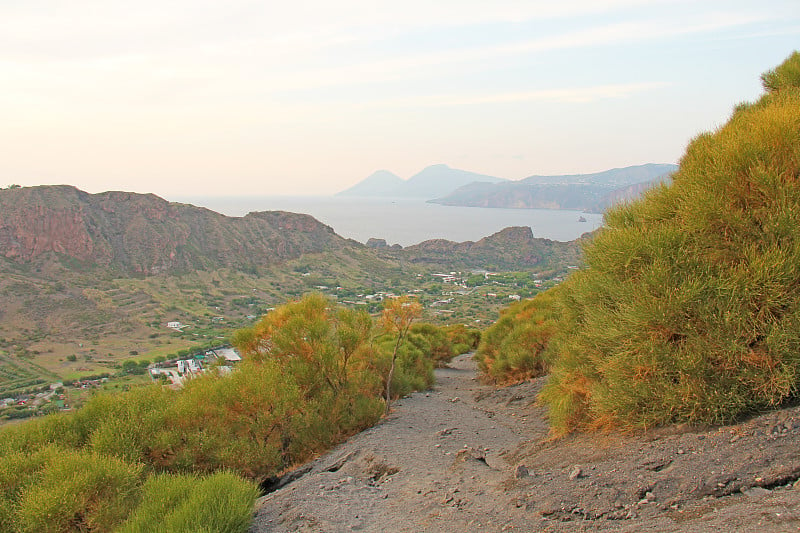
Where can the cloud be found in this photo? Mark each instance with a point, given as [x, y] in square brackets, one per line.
[409, 66]
[572, 95]
[52, 29]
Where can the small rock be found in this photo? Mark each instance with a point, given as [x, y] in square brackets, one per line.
[521, 471]
[576, 473]
[518, 503]
[681, 451]
[755, 492]
[548, 507]
[649, 496]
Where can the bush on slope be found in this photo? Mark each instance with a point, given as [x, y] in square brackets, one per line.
[689, 308]
[513, 349]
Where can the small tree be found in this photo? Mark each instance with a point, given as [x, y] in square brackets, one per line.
[398, 314]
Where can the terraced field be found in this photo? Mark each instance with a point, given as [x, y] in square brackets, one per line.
[18, 375]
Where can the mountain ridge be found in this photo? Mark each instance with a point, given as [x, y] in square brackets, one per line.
[433, 180]
[144, 234]
[618, 176]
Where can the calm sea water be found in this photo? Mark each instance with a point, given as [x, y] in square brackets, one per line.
[406, 222]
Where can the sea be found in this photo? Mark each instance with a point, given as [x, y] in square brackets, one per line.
[406, 221]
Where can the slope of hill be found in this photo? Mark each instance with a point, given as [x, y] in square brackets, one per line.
[586, 192]
[430, 182]
[144, 234]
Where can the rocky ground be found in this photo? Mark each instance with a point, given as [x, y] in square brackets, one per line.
[467, 457]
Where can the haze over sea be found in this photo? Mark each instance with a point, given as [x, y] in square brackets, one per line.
[405, 221]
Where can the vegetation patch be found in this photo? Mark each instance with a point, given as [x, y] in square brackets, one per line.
[513, 349]
[314, 373]
[689, 307]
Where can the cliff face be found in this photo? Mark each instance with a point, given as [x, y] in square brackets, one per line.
[145, 234]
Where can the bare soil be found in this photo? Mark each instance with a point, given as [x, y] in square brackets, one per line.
[469, 457]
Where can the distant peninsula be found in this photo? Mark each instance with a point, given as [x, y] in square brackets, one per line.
[441, 184]
[594, 192]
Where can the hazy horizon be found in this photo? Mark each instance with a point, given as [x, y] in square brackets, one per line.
[310, 97]
[408, 221]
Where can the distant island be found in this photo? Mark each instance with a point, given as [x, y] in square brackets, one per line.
[431, 182]
[594, 192]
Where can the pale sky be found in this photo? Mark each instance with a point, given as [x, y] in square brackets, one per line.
[199, 97]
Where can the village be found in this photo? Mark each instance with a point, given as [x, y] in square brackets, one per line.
[475, 296]
[175, 372]
[64, 396]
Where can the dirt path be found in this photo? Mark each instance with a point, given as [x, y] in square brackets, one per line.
[467, 457]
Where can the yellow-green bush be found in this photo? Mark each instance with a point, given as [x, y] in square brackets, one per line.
[513, 348]
[59, 490]
[78, 491]
[689, 308]
[414, 367]
[220, 503]
[438, 346]
[462, 338]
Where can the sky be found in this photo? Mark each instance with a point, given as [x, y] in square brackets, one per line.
[308, 97]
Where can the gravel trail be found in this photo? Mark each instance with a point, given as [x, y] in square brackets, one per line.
[468, 457]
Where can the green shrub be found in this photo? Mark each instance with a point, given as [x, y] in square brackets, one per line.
[414, 366]
[63, 429]
[326, 357]
[79, 491]
[462, 338]
[18, 471]
[689, 310]
[221, 503]
[237, 422]
[513, 349]
[124, 423]
[439, 346]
